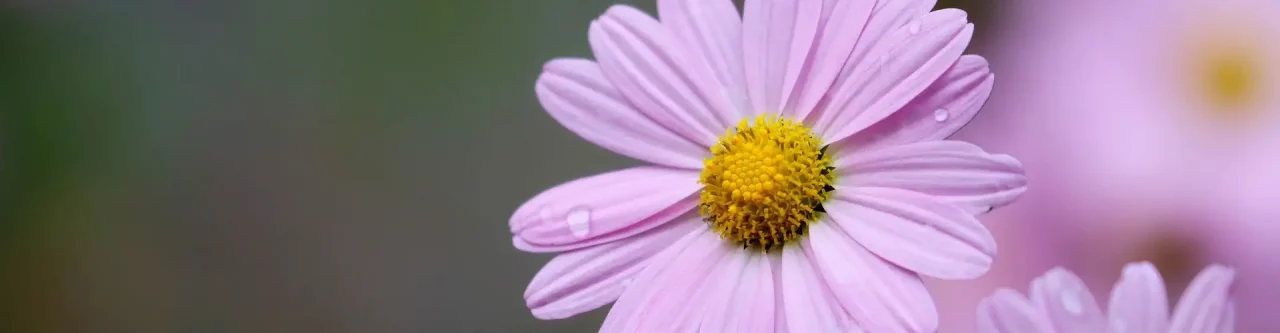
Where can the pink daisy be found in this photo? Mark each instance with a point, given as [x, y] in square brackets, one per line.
[1152, 134]
[800, 180]
[1061, 303]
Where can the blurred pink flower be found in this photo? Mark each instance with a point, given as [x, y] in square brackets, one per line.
[1150, 133]
[787, 236]
[1060, 303]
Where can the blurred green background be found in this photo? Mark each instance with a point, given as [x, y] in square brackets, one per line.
[282, 166]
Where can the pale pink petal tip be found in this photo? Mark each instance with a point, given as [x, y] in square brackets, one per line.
[1062, 303]
[1138, 301]
[603, 208]
[1208, 304]
[1007, 311]
[1068, 302]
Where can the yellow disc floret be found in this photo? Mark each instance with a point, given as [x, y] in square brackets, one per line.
[765, 182]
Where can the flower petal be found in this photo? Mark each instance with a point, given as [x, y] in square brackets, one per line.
[1067, 302]
[701, 298]
[780, 324]
[714, 29]
[955, 172]
[1228, 322]
[941, 110]
[838, 32]
[777, 36]
[806, 299]
[582, 280]
[667, 294]
[603, 208]
[915, 231]
[629, 303]
[880, 296]
[903, 64]
[1138, 301]
[577, 94]
[657, 72]
[751, 306]
[1007, 311]
[886, 18]
[1207, 305]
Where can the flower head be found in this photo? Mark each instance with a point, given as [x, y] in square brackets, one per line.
[1151, 131]
[800, 177]
[1060, 303]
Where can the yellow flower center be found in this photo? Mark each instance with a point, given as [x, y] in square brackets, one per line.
[765, 182]
[1230, 80]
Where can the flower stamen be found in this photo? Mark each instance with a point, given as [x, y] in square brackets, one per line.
[765, 182]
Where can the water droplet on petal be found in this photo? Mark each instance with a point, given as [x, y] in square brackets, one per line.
[580, 221]
[914, 27]
[941, 115]
[1071, 302]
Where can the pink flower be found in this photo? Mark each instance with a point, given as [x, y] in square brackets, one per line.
[1061, 303]
[828, 195]
[1150, 134]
